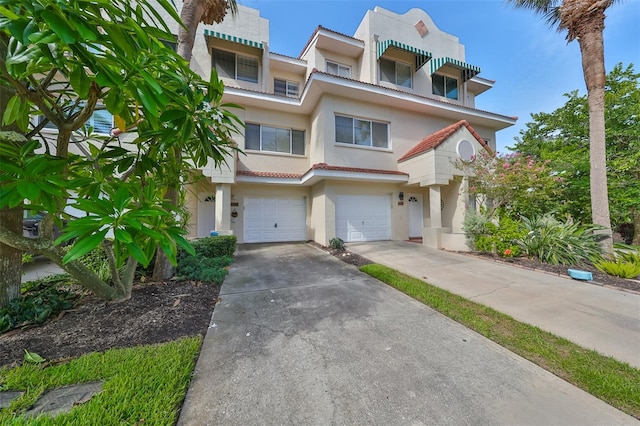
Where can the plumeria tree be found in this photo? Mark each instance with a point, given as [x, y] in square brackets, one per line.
[60, 62]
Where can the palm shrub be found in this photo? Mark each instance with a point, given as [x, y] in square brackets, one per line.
[618, 268]
[559, 243]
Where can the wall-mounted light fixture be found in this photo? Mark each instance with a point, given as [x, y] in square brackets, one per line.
[401, 196]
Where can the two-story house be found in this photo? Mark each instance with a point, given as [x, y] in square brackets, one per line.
[354, 138]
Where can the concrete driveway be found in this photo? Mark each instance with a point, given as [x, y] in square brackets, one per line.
[300, 338]
[595, 317]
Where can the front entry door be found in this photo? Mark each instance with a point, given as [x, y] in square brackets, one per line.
[415, 215]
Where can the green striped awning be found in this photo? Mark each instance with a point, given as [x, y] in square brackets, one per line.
[421, 56]
[468, 71]
[233, 39]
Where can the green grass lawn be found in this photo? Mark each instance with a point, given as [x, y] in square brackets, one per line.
[143, 385]
[615, 382]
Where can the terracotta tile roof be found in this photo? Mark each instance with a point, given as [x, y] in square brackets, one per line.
[319, 166]
[269, 174]
[435, 139]
[325, 166]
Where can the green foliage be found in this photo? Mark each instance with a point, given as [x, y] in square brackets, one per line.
[27, 258]
[490, 238]
[474, 226]
[218, 246]
[35, 307]
[555, 242]
[206, 269]
[618, 268]
[97, 261]
[336, 243]
[562, 138]
[141, 385]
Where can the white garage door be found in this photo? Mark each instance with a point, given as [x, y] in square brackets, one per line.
[363, 217]
[274, 219]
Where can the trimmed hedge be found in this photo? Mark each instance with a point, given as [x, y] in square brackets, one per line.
[219, 246]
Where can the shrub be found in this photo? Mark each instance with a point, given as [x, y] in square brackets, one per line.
[219, 246]
[213, 270]
[42, 301]
[489, 237]
[336, 243]
[473, 226]
[504, 238]
[97, 261]
[559, 243]
[619, 268]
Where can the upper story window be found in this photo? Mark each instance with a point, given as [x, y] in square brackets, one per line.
[238, 67]
[101, 121]
[395, 72]
[338, 69]
[286, 88]
[274, 139]
[445, 86]
[355, 131]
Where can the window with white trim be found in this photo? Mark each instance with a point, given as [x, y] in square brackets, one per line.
[338, 69]
[274, 139]
[395, 72]
[286, 88]
[237, 67]
[101, 121]
[445, 86]
[355, 131]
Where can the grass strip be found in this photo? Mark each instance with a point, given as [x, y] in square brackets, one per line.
[141, 385]
[613, 381]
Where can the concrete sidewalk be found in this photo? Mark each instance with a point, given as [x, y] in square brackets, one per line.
[595, 317]
[301, 338]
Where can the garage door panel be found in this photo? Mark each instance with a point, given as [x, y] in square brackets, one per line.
[274, 219]
[363, 217]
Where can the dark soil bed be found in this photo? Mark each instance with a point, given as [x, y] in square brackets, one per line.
[156, 313]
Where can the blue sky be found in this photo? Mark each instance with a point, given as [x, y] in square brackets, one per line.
[532, 64]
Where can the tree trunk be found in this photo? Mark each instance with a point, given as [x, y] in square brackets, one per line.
[162, 267]
[191, 13]
[10, 257]
[592, 50]
[635, 214]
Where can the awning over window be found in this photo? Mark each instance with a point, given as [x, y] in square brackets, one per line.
[468, 71]
[421, 56]
[233, 39]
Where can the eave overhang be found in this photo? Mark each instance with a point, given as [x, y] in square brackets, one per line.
[468, 71]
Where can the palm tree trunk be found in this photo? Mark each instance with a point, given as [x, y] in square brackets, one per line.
[592, 50]
[191, 14]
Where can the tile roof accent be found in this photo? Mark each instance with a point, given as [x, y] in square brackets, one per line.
[325, 166]
[269, 174]
[435, 139]
[318, 166]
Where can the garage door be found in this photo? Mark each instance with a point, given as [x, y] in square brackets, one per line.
[274, 219]
[363, 217]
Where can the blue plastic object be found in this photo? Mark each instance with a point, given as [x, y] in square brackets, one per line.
[576, 274]
[213, 234]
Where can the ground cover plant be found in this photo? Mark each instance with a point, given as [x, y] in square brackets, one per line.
[141, 385]
[615, 382]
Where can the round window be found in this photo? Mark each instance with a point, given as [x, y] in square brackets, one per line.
[466, 151]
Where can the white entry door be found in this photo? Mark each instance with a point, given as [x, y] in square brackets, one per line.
[274, 219]
[206, 214]
[416, 214]
[363, 217]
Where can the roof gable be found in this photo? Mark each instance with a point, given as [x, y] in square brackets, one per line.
[436, 139]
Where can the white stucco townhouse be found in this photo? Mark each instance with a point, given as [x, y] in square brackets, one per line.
[354, 138]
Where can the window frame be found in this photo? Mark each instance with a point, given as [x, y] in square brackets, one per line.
[339, 66]
[236, 57]
[395, 72]
[261, 142]
[357, 131]
[89, 123]
[287, 91]
[445, 78]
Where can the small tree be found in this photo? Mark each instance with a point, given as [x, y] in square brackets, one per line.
[64, 61]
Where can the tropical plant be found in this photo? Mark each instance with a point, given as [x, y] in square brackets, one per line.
[562, 138]
[559, 243]
[336, 243]
[618, 268]
[56, 64]
[584, 21]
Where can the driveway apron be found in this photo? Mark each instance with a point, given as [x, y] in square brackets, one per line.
[301, 338]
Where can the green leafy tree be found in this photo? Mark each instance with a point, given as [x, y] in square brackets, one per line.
[584, 21]
[63, 61]
[562, 138]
